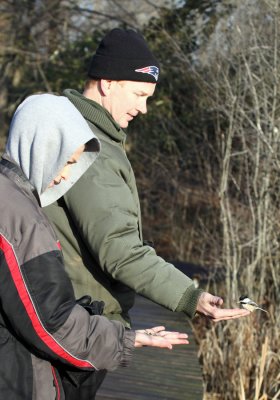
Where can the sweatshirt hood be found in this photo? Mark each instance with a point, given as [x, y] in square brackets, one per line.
[45, 132]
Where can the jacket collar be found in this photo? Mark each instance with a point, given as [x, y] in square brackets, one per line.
[12, 171]
[96, 114]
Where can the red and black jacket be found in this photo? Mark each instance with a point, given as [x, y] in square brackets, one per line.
[41, 326]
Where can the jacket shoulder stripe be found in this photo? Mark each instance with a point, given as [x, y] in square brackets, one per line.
[26, 300]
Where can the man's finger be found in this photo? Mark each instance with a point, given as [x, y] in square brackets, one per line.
[226, 316]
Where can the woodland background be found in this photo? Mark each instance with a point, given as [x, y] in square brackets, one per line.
[206, 156]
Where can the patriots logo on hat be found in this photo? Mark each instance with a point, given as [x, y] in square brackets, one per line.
[151, 70]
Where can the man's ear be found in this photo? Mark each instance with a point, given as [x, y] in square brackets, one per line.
[105, 86]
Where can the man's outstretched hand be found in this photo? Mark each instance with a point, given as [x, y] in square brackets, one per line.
[210, 306]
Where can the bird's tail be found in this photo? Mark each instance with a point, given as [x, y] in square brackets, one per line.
[259, 308]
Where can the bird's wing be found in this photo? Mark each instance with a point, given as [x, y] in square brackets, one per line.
[253, 304]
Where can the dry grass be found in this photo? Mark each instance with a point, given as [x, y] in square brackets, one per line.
[240, 359]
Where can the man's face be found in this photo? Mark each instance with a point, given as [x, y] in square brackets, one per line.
[126, 99]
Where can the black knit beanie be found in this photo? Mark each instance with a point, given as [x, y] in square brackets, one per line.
[124, 55]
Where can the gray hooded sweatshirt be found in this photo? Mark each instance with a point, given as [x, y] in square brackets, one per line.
[45, 131]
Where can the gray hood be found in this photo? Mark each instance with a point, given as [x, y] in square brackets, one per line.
[45, 131]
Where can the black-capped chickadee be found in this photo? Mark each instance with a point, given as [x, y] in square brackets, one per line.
[249, 304]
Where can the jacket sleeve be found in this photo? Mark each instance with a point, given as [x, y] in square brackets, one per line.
[104, 206]
[38, 303]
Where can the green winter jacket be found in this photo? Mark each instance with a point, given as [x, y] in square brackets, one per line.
[98, 223]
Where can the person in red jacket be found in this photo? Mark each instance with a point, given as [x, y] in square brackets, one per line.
[46, 336]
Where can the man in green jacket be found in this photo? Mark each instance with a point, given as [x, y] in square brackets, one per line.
[99, 221]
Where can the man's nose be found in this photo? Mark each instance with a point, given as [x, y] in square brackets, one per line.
[142, 107]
